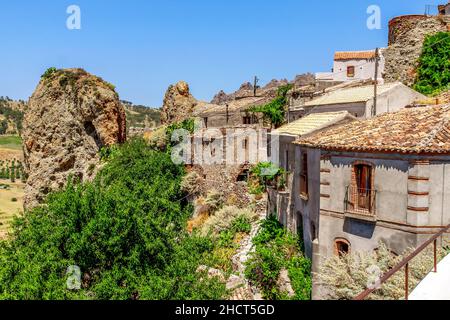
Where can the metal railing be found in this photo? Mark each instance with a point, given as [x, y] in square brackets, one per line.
[360, 201]
[405, 264]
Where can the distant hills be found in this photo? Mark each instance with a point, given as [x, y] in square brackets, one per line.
[139, 116]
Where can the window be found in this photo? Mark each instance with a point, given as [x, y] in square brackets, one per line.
[363, 173]
[341, 247]
[304, 175]
[351, 71]
[247, 120]
[245, 144]
[286, 160]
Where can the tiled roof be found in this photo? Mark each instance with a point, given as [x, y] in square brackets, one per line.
[312, 123]
[415, 130]
[356, 94]
[350, 55]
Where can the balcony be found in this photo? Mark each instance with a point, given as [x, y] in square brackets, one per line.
[360, 203]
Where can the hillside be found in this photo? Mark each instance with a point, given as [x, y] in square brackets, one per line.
[139, 116]
[11, 115]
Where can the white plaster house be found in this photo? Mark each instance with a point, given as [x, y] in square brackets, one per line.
[354, 65]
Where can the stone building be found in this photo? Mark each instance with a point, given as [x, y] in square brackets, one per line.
[444, 9]
[232, 113]
[353, 65]
[382, 179]
[283, 153]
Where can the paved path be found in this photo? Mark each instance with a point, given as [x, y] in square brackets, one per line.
[436, 286]
[247, 292]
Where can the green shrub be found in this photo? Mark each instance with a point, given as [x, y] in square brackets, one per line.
[276, 248]
[125, 230]
[433, 74]
[265, 174]
[214, 200]
[224, 219]
[49, 72]
[275, 111]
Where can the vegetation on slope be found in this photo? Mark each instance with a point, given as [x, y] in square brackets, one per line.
[275, 111]
[277, 249]
[125, 231]
[433, 74]
[9, 115]
[139, 116]
[346, 276]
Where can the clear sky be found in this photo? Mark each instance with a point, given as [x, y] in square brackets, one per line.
[142, 46]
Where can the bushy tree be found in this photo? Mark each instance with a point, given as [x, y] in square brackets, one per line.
[125, 231]
[433, 74]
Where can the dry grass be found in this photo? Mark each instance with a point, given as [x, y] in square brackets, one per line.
[343, 278]
[8, 208]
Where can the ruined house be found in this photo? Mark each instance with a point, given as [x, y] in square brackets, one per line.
[232, 113]
[382, 179]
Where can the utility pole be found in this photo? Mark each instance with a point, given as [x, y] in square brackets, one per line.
[255, 84]
[374, 107]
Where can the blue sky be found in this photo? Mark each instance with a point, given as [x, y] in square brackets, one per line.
[142, 46]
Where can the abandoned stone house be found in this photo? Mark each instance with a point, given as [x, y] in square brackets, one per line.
[444, 9]
[382, 179]
[354, 65]
[359, 101]
[283, 153]
[232, 113]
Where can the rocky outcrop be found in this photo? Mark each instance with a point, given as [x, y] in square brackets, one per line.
[178, 104]
[267, 91]
[407, 35]
[70, 117]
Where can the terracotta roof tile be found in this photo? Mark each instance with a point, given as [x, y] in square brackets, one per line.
[350, 55]
[416, 130]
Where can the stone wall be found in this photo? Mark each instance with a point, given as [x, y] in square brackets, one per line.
[406, 37]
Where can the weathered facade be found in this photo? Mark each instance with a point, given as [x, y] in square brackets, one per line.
[359, 101]
[231, 114]
[284, 153]
[384, 179]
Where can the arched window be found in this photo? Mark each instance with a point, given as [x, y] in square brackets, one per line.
[341, 247]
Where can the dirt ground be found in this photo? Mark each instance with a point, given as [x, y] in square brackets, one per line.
[8, 207]
[10, 154]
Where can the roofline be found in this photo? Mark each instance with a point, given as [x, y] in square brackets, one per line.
[363, 150]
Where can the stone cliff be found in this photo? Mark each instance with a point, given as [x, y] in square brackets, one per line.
[70, 117]
[178, 105]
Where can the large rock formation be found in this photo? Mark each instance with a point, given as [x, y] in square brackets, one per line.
[70, 117]
[178, 104]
